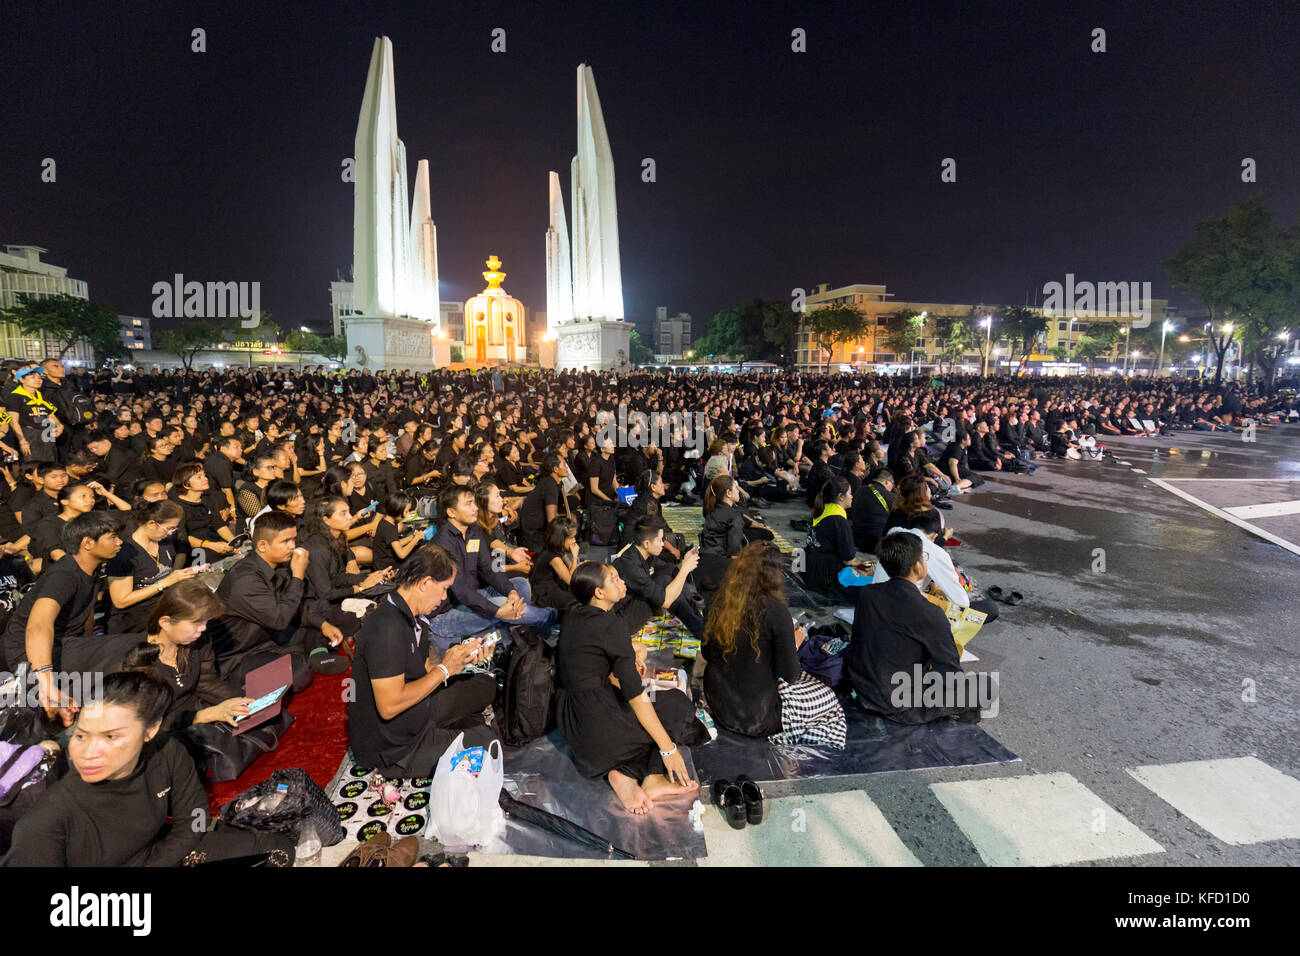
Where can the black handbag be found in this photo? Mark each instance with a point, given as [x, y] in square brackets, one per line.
[227, 754]
[303, 801]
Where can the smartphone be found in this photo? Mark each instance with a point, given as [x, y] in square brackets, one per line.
[263, 702]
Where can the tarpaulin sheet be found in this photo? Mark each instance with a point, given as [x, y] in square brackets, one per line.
[874, 745]
[543, 775]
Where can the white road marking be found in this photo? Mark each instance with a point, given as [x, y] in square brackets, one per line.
[1040, 820]
[1273, 510]
[1239, 801]
[829, 829]
[1231, 519]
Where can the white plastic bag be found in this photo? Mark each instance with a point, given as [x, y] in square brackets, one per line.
[464, 809]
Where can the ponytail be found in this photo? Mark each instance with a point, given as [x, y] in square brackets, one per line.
[715, 492]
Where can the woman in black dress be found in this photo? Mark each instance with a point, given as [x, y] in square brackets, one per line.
[830, 540]
[613, 728]
[555, 565]
[391, 543]
[144, 567]
[727, 529]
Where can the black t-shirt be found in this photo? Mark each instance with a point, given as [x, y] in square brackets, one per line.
[532, 516]
[36, 509]
[602, 469]
[955, 452]
[382, 548]
[47, 536]
[220, 470]
[73, 590]
[134, 562]
[393, 642]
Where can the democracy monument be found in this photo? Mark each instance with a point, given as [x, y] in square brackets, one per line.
[396, 315]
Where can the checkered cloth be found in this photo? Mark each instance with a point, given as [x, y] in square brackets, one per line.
[689, 522]
[810, 715]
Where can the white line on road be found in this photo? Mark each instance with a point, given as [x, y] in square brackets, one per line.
[1273, 510]
[1231, 519]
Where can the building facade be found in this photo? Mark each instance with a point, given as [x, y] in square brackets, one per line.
[672, 335]
[135, 332]
[23, 272]
[1065, 328]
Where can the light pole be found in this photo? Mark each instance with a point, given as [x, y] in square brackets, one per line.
[987, 322]
[1164, 330]
[1127, 332]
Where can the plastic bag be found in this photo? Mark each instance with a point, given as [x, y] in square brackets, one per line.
[464, 807]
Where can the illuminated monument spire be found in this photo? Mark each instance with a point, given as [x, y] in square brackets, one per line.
[422, 276]
[559, 275]
[597, 277]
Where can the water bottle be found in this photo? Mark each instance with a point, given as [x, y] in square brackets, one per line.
[309, 847]
[269, 802]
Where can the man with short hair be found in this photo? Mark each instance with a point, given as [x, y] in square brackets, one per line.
[407, 710]
[48, 629]
[544, 503]
[220, 466]
[896, 631]
[265, 614]
[481, 595]
[648, 594]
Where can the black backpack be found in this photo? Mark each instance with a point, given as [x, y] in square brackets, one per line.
[529, 694]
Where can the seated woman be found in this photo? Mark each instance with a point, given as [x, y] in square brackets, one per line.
[391, 546]
[613, 728]
[726, 530]
[132, 795]
[753, 683]
[206, 533]
[830, 540]
[555, 565]
[145, 567]
[650, 491]
[498, 524]
[870, 511]
[913, 499]
[157, 462]
[286, 496]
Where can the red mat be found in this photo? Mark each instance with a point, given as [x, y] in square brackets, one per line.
[316, 742]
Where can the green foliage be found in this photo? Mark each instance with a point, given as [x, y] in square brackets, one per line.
[335, 348]
[958, 335]
[194, 335]
[837, 324]
[457, 354]
[760, 330]
[640, 353]
[302, 341]
[68, 320]
[1061, 352]
[1022, 327]
[902, 331]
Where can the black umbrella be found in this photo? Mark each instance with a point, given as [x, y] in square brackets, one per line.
[548, 821]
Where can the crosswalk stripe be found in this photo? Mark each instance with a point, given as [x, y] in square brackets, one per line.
[1272, 510]
[1040, 820]
[1241, 800]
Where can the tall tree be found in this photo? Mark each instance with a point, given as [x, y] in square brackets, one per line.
[836, 324]
[1022, 327]
[67, 320]
[638, 351]
[957, 333]
[902, 331]
[193, 336]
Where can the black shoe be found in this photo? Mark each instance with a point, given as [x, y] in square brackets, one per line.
[729, 799]
[754, 805]
[325, 661]
[945, 505]
[800, 524]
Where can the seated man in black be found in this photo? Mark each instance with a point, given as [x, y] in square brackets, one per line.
[407, 711]
[956, 463]
[895, 629]
[265, 613]
[649, 593]
[543, 503]
[48, 628]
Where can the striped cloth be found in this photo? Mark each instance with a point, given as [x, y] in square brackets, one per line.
[811, 715]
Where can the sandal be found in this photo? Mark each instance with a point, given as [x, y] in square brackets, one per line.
[1015, 597]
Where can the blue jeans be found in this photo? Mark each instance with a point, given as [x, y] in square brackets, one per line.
[460, 622]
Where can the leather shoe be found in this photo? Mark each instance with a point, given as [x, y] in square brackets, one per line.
[753, 797]
[729, 800]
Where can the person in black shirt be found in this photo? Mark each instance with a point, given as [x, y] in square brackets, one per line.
[544, 503]
[550, 575]
[896, 631]
[132, 796]
[145, 567]
[649, 593]
[870, 511]
[48, 628]
[391, 546]
[219, 466]
[122, 465]
[407, 710]
[607, 718]
[830, 540]
[202, 530]
[956, 464]
[49, 479]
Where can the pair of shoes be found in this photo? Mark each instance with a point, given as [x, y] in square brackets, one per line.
[997, 594]
[443, 860]
[801, 524]
[741, 802]
[379, 851]
[322, 660]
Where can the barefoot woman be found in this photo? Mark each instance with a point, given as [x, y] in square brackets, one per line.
[614, 729]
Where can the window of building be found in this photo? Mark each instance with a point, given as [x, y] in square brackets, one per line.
[136, 323]
[881, 321]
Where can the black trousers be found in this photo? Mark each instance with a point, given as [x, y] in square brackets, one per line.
[457, 707]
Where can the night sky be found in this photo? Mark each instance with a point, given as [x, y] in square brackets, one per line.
[775, 169]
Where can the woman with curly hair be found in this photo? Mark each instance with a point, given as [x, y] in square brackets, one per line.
[753, 682]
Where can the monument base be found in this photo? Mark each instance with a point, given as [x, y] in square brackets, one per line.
[380, 342]
[546, 353]
[592, 345]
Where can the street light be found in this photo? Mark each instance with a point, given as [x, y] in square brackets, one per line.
[987, 322]
[1164, 330]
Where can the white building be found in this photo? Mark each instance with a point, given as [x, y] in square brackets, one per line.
[672, 335]
[136, 332]
[22, 271]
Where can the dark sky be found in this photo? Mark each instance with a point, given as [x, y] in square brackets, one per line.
[775, 169]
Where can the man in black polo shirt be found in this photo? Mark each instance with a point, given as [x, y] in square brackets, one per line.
[956, 464]
[481, 594]
[265, 615]
[648, 594]
[544, 503]
[220, 467]
[896, 631]
[48, 628]
[408, 710]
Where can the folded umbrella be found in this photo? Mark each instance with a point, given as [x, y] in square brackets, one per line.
[561, 827]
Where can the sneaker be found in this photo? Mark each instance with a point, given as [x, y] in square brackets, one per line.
[324, 661]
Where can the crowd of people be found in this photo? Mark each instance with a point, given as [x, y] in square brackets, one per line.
[177, 530]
